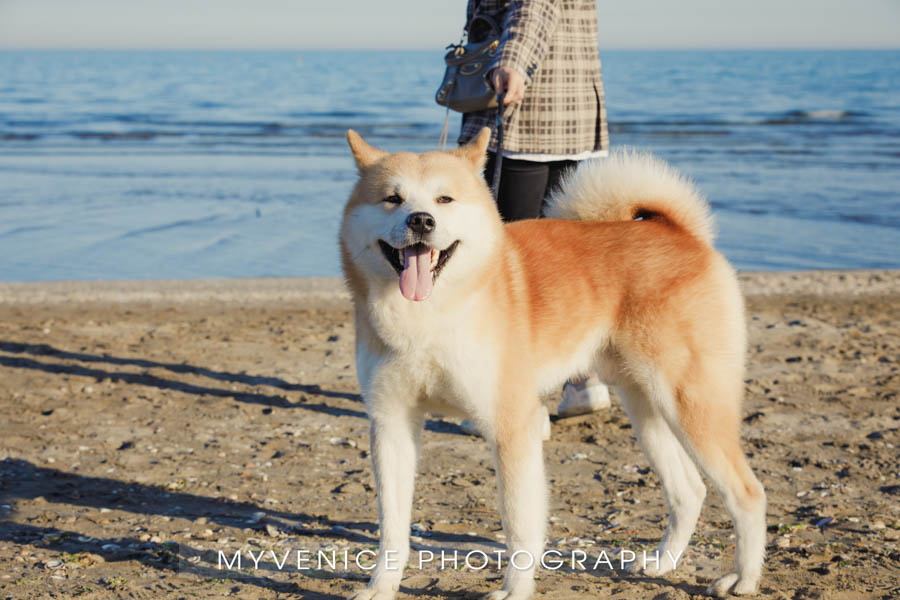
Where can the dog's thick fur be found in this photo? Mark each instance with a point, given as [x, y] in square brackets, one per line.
[625, 282]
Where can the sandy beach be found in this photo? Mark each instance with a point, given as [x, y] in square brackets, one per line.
[152, 428]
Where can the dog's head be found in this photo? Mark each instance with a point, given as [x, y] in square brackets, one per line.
[418, 218]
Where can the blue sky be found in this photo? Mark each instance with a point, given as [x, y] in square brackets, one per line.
[421, 24]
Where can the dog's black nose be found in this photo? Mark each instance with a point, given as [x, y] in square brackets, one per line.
[420, 222]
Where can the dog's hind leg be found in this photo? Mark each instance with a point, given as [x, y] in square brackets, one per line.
[707, 420]
[523, 496]
[683, 487]
[395, 437]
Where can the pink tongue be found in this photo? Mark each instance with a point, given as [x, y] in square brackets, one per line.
[415, 280]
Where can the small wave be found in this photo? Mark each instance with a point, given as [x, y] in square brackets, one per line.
[208, 104]
[700, 122]
[692, 125]
[39, 123]
[156, 120]
[334, 114]
[217, 243]
[18, 137]
[794, 117]
[147, 118]
[143, 127]
[128, 135]
[166, 226]
[828, 114]
[200, 136]
[25, 229]
[880, 221]
[618, 128]
[219, 124]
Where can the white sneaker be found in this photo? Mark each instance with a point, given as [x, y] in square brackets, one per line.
[582, 398]
[470, 428]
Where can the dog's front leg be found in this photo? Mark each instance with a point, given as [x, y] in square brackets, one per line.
[394, 442]
[523, 501]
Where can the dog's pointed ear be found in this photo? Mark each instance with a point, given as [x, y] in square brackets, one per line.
[476, 150]
[364, 154]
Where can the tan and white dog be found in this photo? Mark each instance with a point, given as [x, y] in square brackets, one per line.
[459, 314]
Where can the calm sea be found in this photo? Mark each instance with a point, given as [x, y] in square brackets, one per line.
[150, 165]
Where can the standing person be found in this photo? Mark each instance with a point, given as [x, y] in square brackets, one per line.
[548, 67]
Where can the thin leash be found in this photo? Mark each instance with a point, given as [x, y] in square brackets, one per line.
[442, 141]
[498, 157]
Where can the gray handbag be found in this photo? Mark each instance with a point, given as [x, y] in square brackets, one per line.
[465, 88]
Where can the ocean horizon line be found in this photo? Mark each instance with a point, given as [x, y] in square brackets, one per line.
[441, 48]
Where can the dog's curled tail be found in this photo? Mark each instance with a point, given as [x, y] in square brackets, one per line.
[632, 185]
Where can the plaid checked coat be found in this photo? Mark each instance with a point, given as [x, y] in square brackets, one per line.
[554, 44]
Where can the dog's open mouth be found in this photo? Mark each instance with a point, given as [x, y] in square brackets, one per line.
[418, 266]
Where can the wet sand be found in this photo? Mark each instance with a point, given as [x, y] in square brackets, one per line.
[152, 428]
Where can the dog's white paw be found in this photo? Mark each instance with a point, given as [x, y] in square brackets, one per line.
[734, 584]
[505, 595]
[373, 594]
[520, 594]
[651, 570]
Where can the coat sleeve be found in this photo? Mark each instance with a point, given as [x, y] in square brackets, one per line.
[527, 28]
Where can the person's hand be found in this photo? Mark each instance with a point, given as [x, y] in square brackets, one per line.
[509, 81]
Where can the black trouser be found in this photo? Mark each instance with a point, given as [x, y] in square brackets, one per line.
[524, 184]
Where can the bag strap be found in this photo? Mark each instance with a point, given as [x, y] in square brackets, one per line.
[486, 17]
[492, 23]
[475, 7]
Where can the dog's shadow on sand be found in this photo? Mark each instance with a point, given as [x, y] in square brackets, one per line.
[26, 351]
[27, 358]
[21, 480]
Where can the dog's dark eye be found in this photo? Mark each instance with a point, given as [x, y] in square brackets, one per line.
[393, 199]
[444, 200]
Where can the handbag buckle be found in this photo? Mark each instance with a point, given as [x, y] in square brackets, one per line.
[470, 69]
[445, 89]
